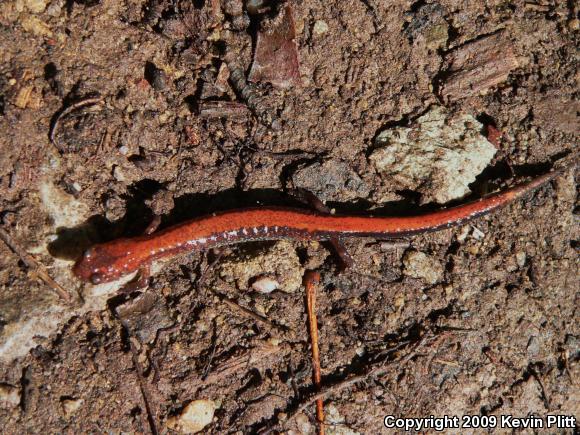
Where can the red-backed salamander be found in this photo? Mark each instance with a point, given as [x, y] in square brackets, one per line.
[111, 260]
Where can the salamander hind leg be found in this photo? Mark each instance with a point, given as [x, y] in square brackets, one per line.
[313, 201]
[153, 225]
[344, 257]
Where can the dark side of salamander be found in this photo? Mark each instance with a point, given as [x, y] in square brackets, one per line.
[112, 260]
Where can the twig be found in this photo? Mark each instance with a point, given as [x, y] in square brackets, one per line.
[74, 106]
[223, 109]
[151, 417]
[203, 275]
[293, 381]
[234, 366]
[311, 280]
[216, 337]
[325, 392]
[567, 368]
[105, 141]
[537, 378]
[35, 267]
[232, 304]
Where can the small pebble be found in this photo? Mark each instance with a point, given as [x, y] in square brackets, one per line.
[255, 6]
[119, 174]
[70, 406]
[194, 417]
[477, 233]
[304, 424]
[320, 28]
[463, 233]
[23, 97]
[159, 80]
[521, 258]
[265, 284]
[473, 249]
[54, 9]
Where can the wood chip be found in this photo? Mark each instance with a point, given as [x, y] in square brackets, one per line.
[477, 66]
[276, 56]
[23, 97]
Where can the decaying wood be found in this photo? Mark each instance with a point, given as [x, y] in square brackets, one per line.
[263, 353]
[477, 66]
[223, 109]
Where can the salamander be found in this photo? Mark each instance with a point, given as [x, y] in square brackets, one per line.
[111, 260]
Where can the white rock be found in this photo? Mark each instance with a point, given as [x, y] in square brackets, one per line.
[477, 233]
[439, 156]
[194, 417]
[265, 284]
[63, 208]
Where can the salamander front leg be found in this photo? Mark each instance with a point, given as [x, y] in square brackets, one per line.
[346, 260]
[153, 225]
[310, 199]
[140, 282]
[313, 201]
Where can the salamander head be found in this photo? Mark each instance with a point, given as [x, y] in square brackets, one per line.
[100, 264]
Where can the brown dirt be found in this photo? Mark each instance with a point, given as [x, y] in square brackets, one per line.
[498, 333]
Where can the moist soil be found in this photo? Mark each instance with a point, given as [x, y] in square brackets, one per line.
[144, 122]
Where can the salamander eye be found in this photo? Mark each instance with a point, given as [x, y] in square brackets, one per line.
[96, 278]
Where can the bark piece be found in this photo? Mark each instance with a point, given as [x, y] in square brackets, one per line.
[477, 66]
[276, 55]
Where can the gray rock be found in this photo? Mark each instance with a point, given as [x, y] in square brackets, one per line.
[331, 181]
[439, 156]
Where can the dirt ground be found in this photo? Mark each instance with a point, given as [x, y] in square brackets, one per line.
[144, 121]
